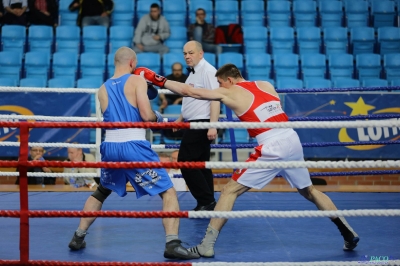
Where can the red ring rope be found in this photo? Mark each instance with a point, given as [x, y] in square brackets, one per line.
[114, 263]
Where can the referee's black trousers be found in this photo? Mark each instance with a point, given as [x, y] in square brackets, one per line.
[196, 147]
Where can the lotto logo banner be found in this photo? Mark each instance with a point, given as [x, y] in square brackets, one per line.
[307, 105]
[46, 104]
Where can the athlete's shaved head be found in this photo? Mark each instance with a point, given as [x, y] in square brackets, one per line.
[123, 56]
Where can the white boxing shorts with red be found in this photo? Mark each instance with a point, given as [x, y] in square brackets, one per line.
[130, 145]
[275, 145]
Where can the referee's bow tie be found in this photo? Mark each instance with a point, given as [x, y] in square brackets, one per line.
[190, 69]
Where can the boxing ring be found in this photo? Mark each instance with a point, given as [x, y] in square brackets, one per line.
[257, 232]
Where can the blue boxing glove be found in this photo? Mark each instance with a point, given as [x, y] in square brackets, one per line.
[159, 117]
[152, 92]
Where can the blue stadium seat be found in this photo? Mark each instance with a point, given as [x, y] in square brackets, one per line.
[226, 12]
[171, 58]
[356, 13]
[286, 65]
[94, 38]
[335, 40]
[255, 39]
[383, 13]
[173, 110]
[315, 83]
[313, 66]
[150, 60]
[10, 65]
[279, 14]
[374, 83]
[331, 13]
[90, 83]
[258, 66]
[395, 82]
[120, 36]
[33, 82]
[362, 40]
[68, 39]
[389, 40]
[345, 83]
[304, 13]
[65, 64]
[93, 65]
[282, 40]
[391, 64]
[40, 38]
[143, 7]
[207, 5]
[13, 38]
[12, 82]
[309, 40]
[61, 83]
[211, 58]
[66, 17]
[289, 83]
[177, 39]
[123, 13]
[37, 65]
[252, 13]
[233, 58]
[241, 136]
[175, 12]
[368, 66]
[110, 65]
[341, 66]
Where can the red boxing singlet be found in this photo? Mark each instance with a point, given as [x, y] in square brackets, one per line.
[265, 108]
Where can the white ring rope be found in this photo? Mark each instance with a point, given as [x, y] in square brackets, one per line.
[304, 164]
[57, 90]
[49, 118]
[298, 124]
[61, 90]
[311, 263]
[292, 214]
[49, 145]
[224, 125]
[40, 174]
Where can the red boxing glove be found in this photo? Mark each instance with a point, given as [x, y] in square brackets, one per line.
[150, 76]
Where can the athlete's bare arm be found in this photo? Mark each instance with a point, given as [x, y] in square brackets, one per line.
[202, 94]
[137, 91]
[103, 98]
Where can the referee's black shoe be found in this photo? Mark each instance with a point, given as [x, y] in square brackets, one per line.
[209, 207]
[175, 250]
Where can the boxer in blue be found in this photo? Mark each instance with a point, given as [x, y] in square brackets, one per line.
[125, 98]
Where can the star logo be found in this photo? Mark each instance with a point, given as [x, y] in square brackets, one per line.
[359, 107]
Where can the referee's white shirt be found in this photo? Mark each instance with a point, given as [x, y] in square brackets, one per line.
[203, 77]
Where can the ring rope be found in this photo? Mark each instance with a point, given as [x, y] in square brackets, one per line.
[312, 263]
[95, 119]
[380, 172]
[209, 165]
[213, 146]
[165, 91]
[206, 125]
[199, 215]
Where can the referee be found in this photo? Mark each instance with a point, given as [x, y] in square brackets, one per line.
[196, 143]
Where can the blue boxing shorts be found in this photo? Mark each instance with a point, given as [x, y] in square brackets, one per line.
[144, 180]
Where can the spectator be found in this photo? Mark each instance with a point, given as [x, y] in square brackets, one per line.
[43, 12]
[15, 12]
[93, 12]
[204, 33]
[1, 12]
[77, 155]
[152, 30]
[177, 75]
[36, 154]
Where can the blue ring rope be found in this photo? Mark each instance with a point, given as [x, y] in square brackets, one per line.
[381, 172]
[338, 89]
[322, 118]
[305, 145]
